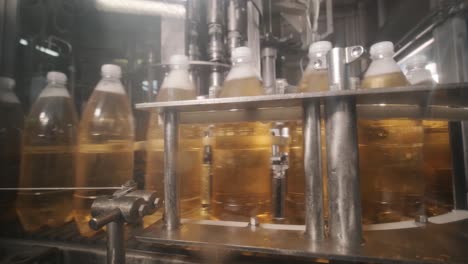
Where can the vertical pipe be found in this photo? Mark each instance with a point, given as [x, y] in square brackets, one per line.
[279, 166]
[171, 188]
[344, 201]
[269, 69]
[313, 172]
[115, 243]
[236, 23]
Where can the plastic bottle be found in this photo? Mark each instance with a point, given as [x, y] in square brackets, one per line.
[105, 149]
[315, 76]
[416, 71]
[436, 149]
[176, 86]
[11, 127]
[390, 151]
[315, 79]
[48, 157]
[241, 151]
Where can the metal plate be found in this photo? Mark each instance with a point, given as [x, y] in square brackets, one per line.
[440, 102]
[429, 244]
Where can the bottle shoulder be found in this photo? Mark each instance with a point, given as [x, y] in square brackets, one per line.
[381, 67]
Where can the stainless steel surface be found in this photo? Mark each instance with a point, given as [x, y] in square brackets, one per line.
[314, 213]
[269, 70]
[429, 244]
[115, 243]
[171, 188]
[439, 102]
[343, 184]
[236, 23]
[216, 79]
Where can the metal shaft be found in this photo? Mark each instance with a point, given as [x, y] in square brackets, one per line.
[344, 199]
[115, 243]
[279, 197]
[269, 69]
[171, 188]
[313, 172]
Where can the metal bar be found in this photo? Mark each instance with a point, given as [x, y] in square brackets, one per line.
[459, 167]
[115, 243]
[61, 188]
[313, 172]
[441, 95]
[344, 201]
[171, 188]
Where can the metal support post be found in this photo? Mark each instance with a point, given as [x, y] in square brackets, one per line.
[269, 69]
[279, 167]
[344, 199]
[313, 172]
[115, 242]
[171, 188]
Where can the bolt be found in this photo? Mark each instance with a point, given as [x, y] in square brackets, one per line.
[254, 221]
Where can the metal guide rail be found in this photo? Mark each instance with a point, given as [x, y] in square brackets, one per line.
[442, 101]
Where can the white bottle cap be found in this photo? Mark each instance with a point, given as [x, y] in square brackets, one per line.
[319, 47]
[417, 60]
[241, 52]
[7, 82]
[384, 47]
[111, 70]
[179, 59]
[57, 77]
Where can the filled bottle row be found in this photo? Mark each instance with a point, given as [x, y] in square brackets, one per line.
[224, 169]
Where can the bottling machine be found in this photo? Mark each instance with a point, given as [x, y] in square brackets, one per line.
[141, 35]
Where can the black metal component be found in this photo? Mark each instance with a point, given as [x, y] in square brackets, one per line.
[459, 175]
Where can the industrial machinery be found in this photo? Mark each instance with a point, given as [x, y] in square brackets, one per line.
[337, 174]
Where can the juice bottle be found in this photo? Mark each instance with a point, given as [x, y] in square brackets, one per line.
[390, 150]
[176, 86]
[436, 149]
[48, 157]
[241, 151]
[315, 79]
[105, 144]
[11, 127]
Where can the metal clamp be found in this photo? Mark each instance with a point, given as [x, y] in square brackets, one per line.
[113, 211]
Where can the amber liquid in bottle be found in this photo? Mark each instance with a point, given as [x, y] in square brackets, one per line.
[241, 161]
[390, 162]
[105, 151]
[48, 160]
[11, 127]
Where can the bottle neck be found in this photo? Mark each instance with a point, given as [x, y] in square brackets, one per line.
[110, 78]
